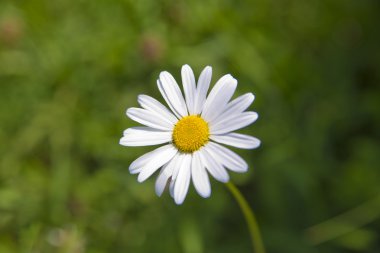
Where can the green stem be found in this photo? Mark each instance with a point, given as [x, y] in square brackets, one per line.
[257, 242]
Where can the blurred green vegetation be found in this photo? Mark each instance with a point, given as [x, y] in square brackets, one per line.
[69, 70]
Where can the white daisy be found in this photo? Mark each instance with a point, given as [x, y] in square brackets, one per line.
[192, 133]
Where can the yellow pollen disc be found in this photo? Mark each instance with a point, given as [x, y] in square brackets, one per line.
[190, 133]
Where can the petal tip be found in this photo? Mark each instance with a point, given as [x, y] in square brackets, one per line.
[258, 144]
[141, 178]
[122, 141]
[251, 96]
[164, 74]
[159, 192]
[245, 169]
[128, 112]
[133, 170]
[225, 180]
[179, 201]
[208, 70]
[205, 195]
[141, 97]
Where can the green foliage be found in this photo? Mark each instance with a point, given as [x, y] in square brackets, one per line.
[69, 70]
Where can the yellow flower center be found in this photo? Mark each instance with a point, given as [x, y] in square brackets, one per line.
[190, 133]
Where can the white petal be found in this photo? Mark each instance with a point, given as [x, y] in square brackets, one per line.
[236, 106]
[218, 97]
[161, 181]
[163, 177]
[172, 94]
[153, 105]
[188, 82]
[200, 177]
[177, 165]
[214, 167]
[202, 88]
[182, 181]
[228, 158]
[171, 188]
[170, 170]
[144, 136]
[140, 162]
[231, 124]
[237, 140]
[160, 159]
[149, 118]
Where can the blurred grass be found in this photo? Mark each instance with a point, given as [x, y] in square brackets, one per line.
[69, 69]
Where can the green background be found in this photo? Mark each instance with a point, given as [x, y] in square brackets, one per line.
[69, 70]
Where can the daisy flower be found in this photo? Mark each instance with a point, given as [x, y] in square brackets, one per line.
[192, 132]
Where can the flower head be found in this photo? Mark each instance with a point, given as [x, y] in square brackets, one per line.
[192, 130]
